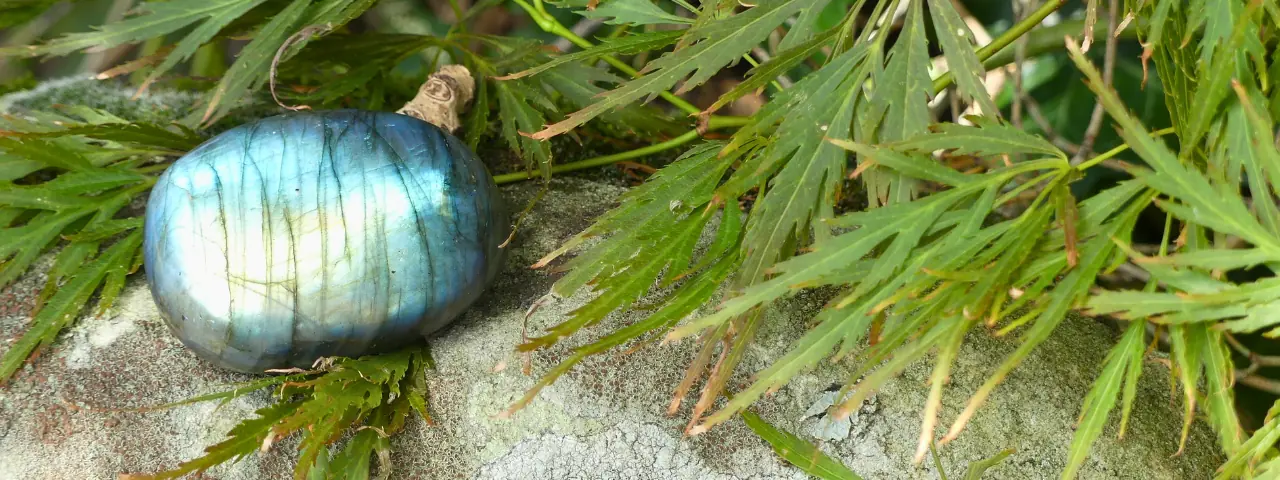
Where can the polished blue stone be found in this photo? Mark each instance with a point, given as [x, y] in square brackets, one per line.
[318, 234]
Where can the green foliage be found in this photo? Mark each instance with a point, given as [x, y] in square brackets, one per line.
[662, 221]
[965, 66]
[631, 12]
[212, 21]
[976, 469]
[798, 452]
[923, 270]
[90, 166]
[371, 397]
[1126, 355]
[709, 47]
[628, 45]
[1258, 453]
[355, 61]
[160, 18]
[529, 97]
[811, 460]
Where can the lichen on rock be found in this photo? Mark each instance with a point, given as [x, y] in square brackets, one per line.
[73, 413]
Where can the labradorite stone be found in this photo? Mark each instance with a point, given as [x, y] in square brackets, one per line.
[319, 234]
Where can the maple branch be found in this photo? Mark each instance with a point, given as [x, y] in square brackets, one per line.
[550, 25]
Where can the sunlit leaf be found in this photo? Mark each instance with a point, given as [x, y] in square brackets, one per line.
[66, 304]
[712, 46]
[632, 12]
[625, 45]
[811, 170]
[962, 62]
[45, 153]
[760, 76]
[1101, 399]
[251, 65]
[796, 451]
[976, 469]
[1257, 447]
[160, 18]
[914, 166]
[1227, 214]
[987, 140]
[518, 117]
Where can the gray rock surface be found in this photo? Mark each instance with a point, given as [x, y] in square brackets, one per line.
[72, 413]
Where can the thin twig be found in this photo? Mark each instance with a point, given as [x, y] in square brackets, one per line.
[1249, 375]
[550, 25]
[1108, 69]
[1033, 107]
[30, 32]
[1160, 335]
[583, 28]
[1259, 360]
[955, 108]
[528, 209]
[604, 160]
[275, 61]
[1021, 98]
[97, 58]
[1019, 56]
[1260, 383]
[714, 123]
[527, 357]
[1133, 271]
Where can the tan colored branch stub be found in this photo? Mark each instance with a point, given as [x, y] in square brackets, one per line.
[442, 97]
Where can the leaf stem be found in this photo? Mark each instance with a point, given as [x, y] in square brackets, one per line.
[550, 25]
[1004, 40]
[726, 121]
[602, 160]
[1118, 150]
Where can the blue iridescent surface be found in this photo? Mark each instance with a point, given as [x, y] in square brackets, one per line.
[318, 234]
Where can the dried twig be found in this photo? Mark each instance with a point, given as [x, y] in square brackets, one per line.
[1108, 70]
[1260, 383]
[1254, 358]
[1022, 100]
[1091, 19]
[97, 58]
[1037, 115]
[1247, 376]
[301, 35]
[1019, 56]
